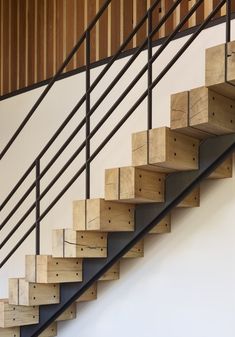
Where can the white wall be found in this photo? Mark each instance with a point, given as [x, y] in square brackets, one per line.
[185, 284]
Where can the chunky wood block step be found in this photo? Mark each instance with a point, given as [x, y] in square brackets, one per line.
[71, 243]
[89, 295]
[10, 332]
[164, 150]
[68, 314]
[46, 269]
[102, 215]
[51, 331]
[131, 184]
[112, 274]
[192, 200]
[22, 292]
[15, 315]
[225, 170]
[217, 60]
[136, 251]
[202, 113]
[164, 226]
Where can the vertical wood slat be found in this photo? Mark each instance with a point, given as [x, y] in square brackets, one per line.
[103, 33]
[22, 44]
[59, 32]
[139, 10]
[127, 21]
[5, 45]
[50, 27]
[40, 40]
[90, 12]
[80, 7]
[31, 34]
[70, 8]
[115, 25]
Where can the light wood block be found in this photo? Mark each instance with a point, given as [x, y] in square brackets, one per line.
[136, 251]
[164, 226]
[10, 332]
[22, 292]
[202, 112]
[14, 315]
[102, 215]
[112, 274]
[164, 150]
[192, 199]
[51, 331]
[225, 170]
[71, 243]
[46, 269]
[89, 295]
[68, 314]
[180, 116]
[215, 69]
[131, 184]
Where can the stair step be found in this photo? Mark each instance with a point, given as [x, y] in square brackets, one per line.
[102, 215]
[225, 170]
[89, 295]
[192, 199]
[164, 150]
[10, 332]
[46, 269]
[112, 274]
[164, 226]
[136, 251]
[22, 292]
[51, 331]
[71, 243]
[16, 315]
[216, 69]
[202, 112]
[135, 185]
[68, 314]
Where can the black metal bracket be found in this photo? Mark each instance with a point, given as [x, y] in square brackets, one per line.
[178, 185]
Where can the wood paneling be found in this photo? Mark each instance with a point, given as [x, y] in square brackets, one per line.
[37, 35]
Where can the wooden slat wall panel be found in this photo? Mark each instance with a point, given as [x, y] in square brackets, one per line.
[37, 35]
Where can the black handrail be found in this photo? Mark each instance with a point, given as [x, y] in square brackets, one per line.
[89, 135]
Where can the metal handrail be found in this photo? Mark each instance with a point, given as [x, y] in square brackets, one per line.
[128, 114]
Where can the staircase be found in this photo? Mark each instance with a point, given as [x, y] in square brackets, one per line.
[168, 165]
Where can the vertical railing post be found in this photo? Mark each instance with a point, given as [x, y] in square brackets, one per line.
[88, 61]
[150, 71]
[228, 20]
[37, 245]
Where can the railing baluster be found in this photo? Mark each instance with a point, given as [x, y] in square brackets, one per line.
[88, 61]
[37, 245]
[150, 70]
